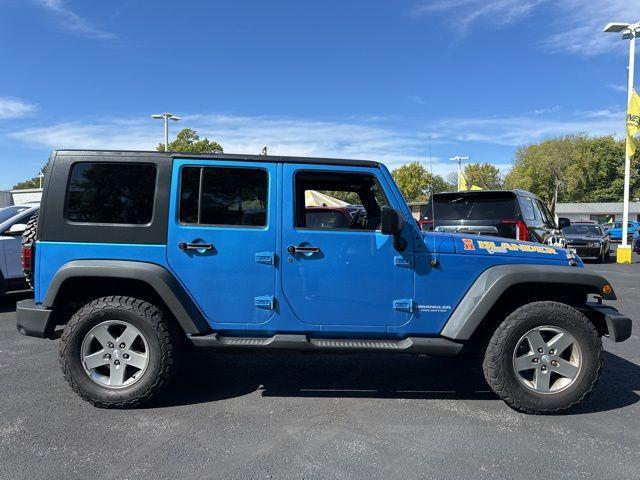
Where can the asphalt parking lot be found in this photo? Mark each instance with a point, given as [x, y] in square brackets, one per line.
[312, 416]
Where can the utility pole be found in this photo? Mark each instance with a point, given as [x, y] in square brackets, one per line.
[629, 32]
[166, 117]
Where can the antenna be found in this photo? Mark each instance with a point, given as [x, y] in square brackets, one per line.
[430, 159]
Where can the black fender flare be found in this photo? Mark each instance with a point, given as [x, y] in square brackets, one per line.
[163, 282]
[494, 281]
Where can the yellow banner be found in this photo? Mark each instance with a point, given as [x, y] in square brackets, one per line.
[463, 184]
[633, 124]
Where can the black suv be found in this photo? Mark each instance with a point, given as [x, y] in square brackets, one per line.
[516, 214]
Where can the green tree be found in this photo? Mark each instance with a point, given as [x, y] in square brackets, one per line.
[188, 140]
[574, 168]
[483, 175]
[32, 182]
[416, 183]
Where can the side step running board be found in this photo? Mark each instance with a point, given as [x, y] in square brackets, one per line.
[429, 345]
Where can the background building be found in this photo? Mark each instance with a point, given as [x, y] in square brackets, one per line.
[598, 212]
[26, 195]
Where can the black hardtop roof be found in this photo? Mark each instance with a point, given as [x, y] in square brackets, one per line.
[137, 155]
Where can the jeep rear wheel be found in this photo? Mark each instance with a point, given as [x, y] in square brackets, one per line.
[118, 352]
[545, 357]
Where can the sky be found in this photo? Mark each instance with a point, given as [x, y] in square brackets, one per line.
[394, 81]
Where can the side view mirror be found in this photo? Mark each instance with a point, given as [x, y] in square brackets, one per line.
[392, 224]
[16, 229]
[563, 222]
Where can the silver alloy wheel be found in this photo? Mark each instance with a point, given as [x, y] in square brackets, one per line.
[114, 354]
[547, 359]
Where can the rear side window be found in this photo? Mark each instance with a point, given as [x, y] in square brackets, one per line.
[527, 208]
[115, 193]
[224, 196]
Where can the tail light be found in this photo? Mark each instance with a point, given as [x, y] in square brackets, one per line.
[426, 224]
[26, 256]
[521, 228]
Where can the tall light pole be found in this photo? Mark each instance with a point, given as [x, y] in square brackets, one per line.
[166, 116]
[629, 32]
[459, 160]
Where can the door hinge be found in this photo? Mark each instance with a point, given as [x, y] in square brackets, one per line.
[268, 258]
[403, 304]
[264, 301]
[400, 261]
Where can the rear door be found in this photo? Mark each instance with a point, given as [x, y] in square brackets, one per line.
[222, 238]
[341, 273]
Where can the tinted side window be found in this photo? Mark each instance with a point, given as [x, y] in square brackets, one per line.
[338, 201]
[546, 214]
[224, 196]
[527, 208]
[119, 193]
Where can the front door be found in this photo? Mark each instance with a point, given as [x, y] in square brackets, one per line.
[338, 269]
[222, 238]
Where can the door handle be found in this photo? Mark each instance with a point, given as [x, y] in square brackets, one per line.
[296, 249]
[195, 246]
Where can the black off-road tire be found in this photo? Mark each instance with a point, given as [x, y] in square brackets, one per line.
[498, 360]
[161, 334]
[28, 238]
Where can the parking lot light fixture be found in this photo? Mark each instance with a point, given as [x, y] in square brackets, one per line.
[459, 159]
[166, 117]
[629, 32]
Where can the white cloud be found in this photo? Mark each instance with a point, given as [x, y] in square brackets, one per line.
[617, 88]
[518, 130]
[580, 31]
[352, 138]
[71, 21]
[577, 24]
[14, 108]
[468, 12]
[417, 99]
[245, 134]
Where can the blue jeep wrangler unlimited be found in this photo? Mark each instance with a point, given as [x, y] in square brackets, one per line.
[138, 255]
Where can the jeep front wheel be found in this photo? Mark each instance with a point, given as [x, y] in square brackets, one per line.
[543, 358]
[118, 352]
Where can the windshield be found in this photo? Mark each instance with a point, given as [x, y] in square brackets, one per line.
[581, 230]
[8, 212]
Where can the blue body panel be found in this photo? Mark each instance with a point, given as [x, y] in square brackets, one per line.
[616, 232]
[358, 285]
[51, 256]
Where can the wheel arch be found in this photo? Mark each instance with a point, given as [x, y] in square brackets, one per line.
[501, 289]
[81, 280]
